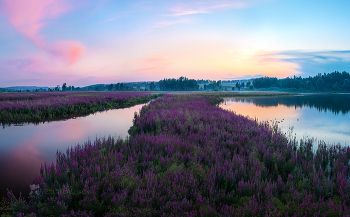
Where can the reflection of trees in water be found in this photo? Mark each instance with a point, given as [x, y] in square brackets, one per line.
[336, 103]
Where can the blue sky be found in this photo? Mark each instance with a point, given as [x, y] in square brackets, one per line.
[48, 42]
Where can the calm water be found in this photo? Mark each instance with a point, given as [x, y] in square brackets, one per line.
[321, 116]
[23, 148]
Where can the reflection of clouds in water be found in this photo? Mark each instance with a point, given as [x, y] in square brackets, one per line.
[308, 118]
[261, 113]
[23, 148]
[21, 165]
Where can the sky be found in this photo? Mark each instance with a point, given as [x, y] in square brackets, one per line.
[84, 42]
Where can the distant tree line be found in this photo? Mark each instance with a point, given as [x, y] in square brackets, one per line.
[334, 81]
[180, 84]
[214, 85]
[120, 87]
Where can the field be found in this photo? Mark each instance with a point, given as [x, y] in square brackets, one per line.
[46, 106]
[188, 157]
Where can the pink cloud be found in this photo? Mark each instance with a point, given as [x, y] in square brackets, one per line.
[154, 64]
[70, 51]
[28, 17]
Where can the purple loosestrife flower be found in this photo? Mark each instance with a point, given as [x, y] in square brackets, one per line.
[187, 157]
[36, 107]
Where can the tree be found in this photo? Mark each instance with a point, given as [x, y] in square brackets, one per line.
[181, 84]
[219, 85]
[215, 85]
[110, 87]
[64, 87]
[57, 88]
[335, 86]
[152, 86]
[320, 84]
[117, 86]
[346, 84]
[205, 86]
[238, 86]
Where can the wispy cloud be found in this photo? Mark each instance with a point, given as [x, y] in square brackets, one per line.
[169, 23]
[179, 12]
[298, 56]
[112, 19]
[246, 77]
[29, 17]
[312, 62]
[203, 7]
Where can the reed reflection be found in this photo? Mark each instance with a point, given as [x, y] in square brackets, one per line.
[320, 116]
[335, 103]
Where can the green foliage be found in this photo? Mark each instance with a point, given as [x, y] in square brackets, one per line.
[334, 81]
[346, 84]
[5, 208]
[64, 87]
[180, 84]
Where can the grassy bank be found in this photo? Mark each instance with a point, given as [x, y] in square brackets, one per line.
[40, 107]
[188, 157]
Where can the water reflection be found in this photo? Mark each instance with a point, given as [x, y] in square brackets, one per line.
[335, 103]
[24, 148]
[320, 116]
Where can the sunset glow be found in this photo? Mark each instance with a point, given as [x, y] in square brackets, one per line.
[49, 42]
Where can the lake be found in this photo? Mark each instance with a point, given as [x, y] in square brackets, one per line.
[23, 148]
[321, 116]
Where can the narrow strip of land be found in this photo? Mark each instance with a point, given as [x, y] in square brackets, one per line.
[41, 107]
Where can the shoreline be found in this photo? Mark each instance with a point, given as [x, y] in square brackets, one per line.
[62, 112]
[187, 141]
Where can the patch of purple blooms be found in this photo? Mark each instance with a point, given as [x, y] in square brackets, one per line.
[27, 107]
[188, 157]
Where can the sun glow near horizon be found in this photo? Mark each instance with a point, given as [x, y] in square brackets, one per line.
[46, 42]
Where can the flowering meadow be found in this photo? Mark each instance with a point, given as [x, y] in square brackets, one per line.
[37, 107]
[188, 157]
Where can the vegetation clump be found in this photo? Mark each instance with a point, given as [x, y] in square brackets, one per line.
[188, 157]
[46, 106]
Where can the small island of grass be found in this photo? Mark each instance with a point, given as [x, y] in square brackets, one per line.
[48, 106]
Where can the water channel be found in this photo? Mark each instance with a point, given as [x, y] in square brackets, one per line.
[24, 147]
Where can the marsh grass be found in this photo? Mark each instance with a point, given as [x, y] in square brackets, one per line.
[18, 108]
[187, 157]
